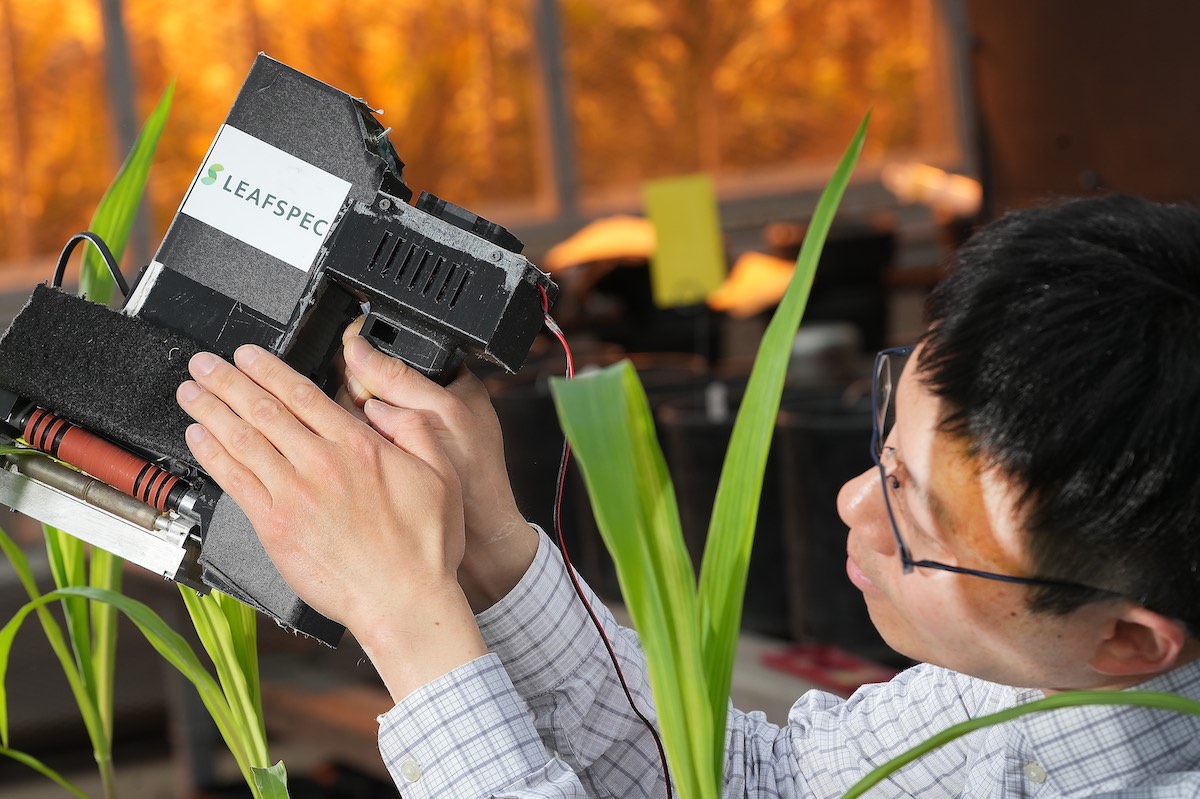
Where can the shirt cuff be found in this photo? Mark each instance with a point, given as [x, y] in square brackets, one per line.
[467, 733]
[540, 630]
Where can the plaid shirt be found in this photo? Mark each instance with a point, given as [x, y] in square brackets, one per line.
[543, 716]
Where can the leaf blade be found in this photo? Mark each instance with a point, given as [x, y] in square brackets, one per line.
[272, 782]
[115, 213]
[41, 768]
[726, 561]
[607, 419]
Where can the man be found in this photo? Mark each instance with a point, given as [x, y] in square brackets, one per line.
[1030, 526]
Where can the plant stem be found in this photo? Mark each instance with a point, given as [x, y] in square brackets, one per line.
[108, 777]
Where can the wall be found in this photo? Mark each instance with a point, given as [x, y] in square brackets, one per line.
[1079, 95]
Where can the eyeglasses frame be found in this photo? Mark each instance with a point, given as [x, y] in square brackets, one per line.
[909, 563]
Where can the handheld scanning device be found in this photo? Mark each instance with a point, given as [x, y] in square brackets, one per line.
[297, 222]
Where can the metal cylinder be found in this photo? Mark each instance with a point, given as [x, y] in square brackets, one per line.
[88, 489]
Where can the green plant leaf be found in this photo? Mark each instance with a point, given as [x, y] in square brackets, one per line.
[213, 629]
[20, 564]
[689, 634]
[272, 782]
[234, 729]
[117, 210]
[42, 769]
[106, 574]
[243, 630]
[69, 567]
[730, 539]
[1155, 699]
[54, 635]
[607, 419]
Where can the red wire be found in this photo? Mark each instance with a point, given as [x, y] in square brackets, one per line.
[562, 548]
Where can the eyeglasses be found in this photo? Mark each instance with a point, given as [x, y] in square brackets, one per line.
[888, 366]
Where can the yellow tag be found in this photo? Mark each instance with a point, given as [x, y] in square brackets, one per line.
[689, 257]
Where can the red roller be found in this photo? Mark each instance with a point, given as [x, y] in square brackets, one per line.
[103, 460]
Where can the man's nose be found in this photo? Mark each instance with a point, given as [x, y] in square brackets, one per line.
[860, 506]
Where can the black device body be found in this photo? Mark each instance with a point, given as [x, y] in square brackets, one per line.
[434, 280]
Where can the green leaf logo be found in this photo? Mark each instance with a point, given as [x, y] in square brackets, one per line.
[213, 169]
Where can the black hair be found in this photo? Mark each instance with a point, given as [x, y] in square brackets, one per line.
[1065, 344]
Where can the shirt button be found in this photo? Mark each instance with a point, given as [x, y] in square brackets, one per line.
[1035, 773]
[410, 770]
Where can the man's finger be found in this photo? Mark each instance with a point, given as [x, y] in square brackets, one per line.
[389, 379]
[409, 430]
[284, 397]
[233, 433]
[249, 404]
[344, 399]
[232, 475]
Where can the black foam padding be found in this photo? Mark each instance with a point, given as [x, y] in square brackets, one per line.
[235, 563]
[116, 376]
[110, 373]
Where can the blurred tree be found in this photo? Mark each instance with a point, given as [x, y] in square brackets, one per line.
[58, 136]
[758, 91]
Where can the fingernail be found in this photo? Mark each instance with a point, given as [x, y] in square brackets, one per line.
[359, 349]
[247, 354]
[195, 433]
[356, 389]
[202, 363]
[189, 390]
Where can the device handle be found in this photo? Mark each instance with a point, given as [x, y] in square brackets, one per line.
[431, 353]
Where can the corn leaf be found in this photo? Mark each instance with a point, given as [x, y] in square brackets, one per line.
[272, 782]
[727, 549]
[117, 210]
[243, 629]
[227, 653]
[42, 769]
[174, 649]
[1154, 699]
[689, 634]
[69, 567]
[54, 635]
[607, 419]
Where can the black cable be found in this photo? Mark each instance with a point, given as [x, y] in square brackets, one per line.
[61, 268]
[562, 550]
[612, 655]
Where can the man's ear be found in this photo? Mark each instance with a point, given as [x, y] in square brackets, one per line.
[1138, 642]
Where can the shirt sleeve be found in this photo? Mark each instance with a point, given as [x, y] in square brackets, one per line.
[545, 715]
[468, 734]
[559, 664]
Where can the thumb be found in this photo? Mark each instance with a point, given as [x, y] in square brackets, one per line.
[372, 373]
[409, 430]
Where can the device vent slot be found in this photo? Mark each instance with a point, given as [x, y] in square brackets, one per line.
[416, 275]
[405, 262]
[383, 245]
[441, 295]
[458, 290]
[433, 273]
[391, 259]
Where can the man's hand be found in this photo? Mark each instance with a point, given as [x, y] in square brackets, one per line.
[367, 531]
[499, 543]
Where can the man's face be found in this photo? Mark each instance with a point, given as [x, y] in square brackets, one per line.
[951, 509]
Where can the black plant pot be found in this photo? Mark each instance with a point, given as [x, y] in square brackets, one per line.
[823, 443]
[695, 435]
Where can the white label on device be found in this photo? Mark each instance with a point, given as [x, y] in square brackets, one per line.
[267, 198]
